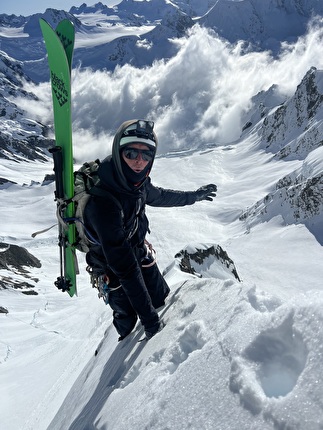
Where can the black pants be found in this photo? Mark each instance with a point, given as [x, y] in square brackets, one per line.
[124, 316]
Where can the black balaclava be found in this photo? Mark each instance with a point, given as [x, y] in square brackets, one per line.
[133, 177]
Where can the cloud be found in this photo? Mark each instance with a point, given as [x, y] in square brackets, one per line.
[39, 108]
[197, 97]
[88, 147]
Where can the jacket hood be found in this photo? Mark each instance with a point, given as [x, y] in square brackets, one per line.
[116, 155]
[117, 175]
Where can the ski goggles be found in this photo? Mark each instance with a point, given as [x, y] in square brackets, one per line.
[133, 154]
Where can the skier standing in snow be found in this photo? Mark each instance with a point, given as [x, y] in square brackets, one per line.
[128, 276]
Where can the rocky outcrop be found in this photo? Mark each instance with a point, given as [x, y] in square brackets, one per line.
[297, 198]
[20, 137]
[295, 128]
[18, 260]
[16, 257]
[204, 260]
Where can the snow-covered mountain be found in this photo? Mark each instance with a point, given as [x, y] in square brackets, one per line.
[21, 137]
[151, 24]
[136, 33]
[293, 130]
[242, 346]
[263, 24]
[297, 198]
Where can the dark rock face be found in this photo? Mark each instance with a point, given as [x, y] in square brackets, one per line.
[191, 259]
[17, 259]
[292, 131]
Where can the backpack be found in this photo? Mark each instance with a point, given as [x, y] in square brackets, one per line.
[86, 184]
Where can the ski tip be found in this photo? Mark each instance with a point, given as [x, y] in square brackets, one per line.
[44, 23]
[65, 22]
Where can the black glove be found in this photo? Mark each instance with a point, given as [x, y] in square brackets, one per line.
[206, 192]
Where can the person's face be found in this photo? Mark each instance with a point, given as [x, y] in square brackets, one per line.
[137, 160]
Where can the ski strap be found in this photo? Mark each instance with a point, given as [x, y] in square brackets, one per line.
[36, 233]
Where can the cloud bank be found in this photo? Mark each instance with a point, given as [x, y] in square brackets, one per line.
[196, 98]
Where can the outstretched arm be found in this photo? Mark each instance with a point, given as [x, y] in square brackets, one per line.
[167, 198]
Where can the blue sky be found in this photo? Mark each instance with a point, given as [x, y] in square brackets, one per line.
[29, 7]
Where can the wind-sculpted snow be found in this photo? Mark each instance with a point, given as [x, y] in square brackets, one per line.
[177, 378]
[272, 369]
[272, 361]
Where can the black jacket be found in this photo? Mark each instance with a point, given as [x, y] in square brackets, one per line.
[121, 246]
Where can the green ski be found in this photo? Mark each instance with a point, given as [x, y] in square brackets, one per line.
[60, 45]
[66, 33]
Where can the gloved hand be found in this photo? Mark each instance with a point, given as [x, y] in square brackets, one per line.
[206, 192]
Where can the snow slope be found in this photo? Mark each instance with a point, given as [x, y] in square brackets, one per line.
[238, 355]
[233, 355]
